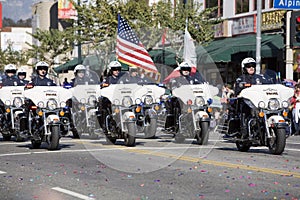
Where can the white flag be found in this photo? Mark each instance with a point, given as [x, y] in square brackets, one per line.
[189, 50]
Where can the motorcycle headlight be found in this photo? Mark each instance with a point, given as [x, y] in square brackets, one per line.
[285, 104]
[92, 100]
[127, 101]
[261, 104]
[40, 104]
[83, 101]
[138, 101]
[273, 104]
[7, 102]
[17, 102]
[116, 102]
[52, 104]
[199, 101]
[63, 104]
[148, 100]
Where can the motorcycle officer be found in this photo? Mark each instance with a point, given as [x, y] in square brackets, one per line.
[185, 77]
[10, 78]
[41, 69]
[21, 74]
[132, 76]
[79, 73]
[114, 73]
[173, 103]
[113, 77]
[248, 77]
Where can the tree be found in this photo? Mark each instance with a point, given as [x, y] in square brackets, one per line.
[9, 55]
[52, 43]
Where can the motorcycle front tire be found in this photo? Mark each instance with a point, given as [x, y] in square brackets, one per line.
[129, 138]
[54, 138]
[277, 143]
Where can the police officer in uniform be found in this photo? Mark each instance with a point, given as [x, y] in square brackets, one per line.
[41, 69]
[10, 78]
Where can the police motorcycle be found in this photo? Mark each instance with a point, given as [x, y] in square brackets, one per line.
[84, 103]
[191, 112]
[11, 112]
[264, 122]
[46, 107]
[147, 106]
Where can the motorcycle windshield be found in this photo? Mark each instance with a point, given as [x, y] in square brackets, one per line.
[123, 94]
[12, 95]
[189, 93]
[48, 96]
[86, 89]
[258, 93]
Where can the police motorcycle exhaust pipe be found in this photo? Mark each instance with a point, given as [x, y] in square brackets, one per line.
[259, 117]
[191, 112]
[46, 106]
[12, 109]
[115, 113]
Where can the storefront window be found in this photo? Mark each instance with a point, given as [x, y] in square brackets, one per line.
[262, 4]
[271, 3]
[241, 6]
[215, 3]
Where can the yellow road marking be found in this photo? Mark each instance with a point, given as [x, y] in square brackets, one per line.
[205, 161]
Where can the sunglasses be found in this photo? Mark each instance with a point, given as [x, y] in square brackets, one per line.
[116, 69]
[185, 69]
[11, 71]
[249, 65]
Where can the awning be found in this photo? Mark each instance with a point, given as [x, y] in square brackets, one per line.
[70, 65]
[170, 56]
[221, 50]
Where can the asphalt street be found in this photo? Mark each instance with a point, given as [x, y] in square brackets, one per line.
[154, 169]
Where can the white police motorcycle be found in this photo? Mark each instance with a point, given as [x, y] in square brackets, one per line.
[11, 112]
[147, 107]
[267, 123]
[45, 111]
[189, 112]
[115, 112]
[84, 103]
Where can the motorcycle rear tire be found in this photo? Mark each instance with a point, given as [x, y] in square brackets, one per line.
[129, 138]
[54, 138]
[277, 146]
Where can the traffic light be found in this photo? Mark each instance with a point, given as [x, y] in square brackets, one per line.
[283, 28]
[295, 29]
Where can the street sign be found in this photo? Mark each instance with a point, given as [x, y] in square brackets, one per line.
[287, 4]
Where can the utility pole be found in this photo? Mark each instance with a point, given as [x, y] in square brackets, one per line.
[258, 37]
[288, 50]
[79, 33]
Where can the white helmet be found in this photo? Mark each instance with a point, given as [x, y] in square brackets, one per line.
[10, 67]
[185, 66]
[78, 68]
[41, 64]
[21, 71]
[248, 62]
[114, 65]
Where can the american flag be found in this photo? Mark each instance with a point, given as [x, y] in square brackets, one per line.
[131, 51]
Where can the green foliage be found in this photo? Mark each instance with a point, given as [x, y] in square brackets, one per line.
[9, 55]
[52, 43]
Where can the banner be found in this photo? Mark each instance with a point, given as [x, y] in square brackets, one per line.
[66, 10]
